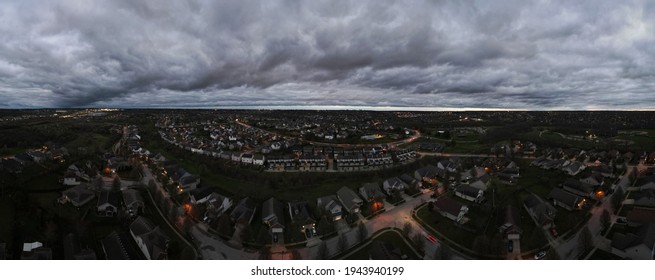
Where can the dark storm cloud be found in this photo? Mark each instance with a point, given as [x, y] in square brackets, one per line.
[446, 54]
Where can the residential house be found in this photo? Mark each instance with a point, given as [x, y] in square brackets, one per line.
[236, 156]
[509, 222]
[200, 195]
[247, 158]
[506, 179]
[244, 211]
[152, 241]
[513, 172]
[636, 246]
[645, 198]
[565, 199]
[331, 207]
[542, 213]
[447, 165]
[371, 192]
[482, 183]
[427, 174]
[273, 215]
[451, 209]
[640, 216]
[349, 199]
[300, 214]
[188, 183]
[573, 168]
[258, 159]
[118, 247]
[649, 184]
[71, 179]
[108, 204]
[578, 188]
[133, 201]
[38, 156]
[78, 195]
[594, 180]
[411, 181]
[603, 169]
[216, 205]
[393, 185]
[473, 173]
[470, 193]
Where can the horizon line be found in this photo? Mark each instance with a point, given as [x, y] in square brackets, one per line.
[341, 108]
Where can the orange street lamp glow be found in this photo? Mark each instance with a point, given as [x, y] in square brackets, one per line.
[600, 194]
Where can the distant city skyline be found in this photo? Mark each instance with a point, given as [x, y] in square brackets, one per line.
[380, 55]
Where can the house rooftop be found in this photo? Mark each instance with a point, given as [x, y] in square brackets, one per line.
[348, 197]
[448, 205]
[641, 215]
[111, 197]
[644, 235]
[564, 197]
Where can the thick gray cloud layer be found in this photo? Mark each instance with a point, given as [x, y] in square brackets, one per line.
[449, 54]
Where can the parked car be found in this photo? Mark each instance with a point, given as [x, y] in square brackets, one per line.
[431, 239]
[540, 255]
[510, 246]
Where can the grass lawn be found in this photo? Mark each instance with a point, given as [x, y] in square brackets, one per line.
[7, 214]
[554, 138]
[640, 142]
[49, 181]
[447, 228]
[538, 180]
[391, 237]
[474, 148]
[603, 255]
[92, 141]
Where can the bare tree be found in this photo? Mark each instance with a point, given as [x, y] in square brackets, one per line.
[116, 184]
[323, 252]
[605, 219]
[419, 241]
[552, 254]
[617, 198]
[342, 243]
[407, 229]
[442, 252]
[98, 182]
[585, 240]
[362, 232]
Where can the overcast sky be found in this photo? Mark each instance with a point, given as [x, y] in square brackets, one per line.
[446, 54]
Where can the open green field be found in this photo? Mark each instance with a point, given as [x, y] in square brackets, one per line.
[391, 237]
[7, 218]
[468, 147]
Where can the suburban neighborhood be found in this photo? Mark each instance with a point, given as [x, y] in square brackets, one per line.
[245, 185]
